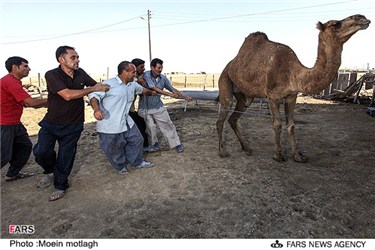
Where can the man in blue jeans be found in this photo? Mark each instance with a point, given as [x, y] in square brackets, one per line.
[64, 119]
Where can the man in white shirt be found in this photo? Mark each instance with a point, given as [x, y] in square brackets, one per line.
[120, 140]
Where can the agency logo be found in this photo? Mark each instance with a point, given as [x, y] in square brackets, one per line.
[21, 229]
[276, 244]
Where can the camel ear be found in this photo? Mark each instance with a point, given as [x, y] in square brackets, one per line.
[320, 26]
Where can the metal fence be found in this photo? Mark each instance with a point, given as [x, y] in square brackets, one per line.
[202, 81]
[209, 81]
[342, 81]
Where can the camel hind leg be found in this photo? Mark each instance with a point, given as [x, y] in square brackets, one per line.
[219, 127]
[243, 103]
[226, 101]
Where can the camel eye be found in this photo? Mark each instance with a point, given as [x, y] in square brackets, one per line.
[337, 25]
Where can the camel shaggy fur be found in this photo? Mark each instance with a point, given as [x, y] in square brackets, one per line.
[271, 70]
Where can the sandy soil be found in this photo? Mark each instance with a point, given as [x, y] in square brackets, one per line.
[197, 194]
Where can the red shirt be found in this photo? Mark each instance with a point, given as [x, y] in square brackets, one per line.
[12, 96]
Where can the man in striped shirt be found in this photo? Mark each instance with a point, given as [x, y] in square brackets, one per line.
[152, 109]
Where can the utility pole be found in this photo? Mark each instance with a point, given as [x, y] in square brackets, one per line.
[149, 33]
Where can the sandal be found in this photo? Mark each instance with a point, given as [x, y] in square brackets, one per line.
[19, 176]
[180, 148]
[57, 194]
[124, 171]
[46, 181]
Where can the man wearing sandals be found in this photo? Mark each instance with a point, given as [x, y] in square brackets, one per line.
[15, 142]
[119, 137]
[64, 119]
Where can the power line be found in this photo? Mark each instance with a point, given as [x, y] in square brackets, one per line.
[182, 22]
[285, 13]
[73, 34]
[252, 14]
[187, 18]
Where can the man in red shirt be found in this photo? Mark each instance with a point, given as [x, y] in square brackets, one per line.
[15, 142]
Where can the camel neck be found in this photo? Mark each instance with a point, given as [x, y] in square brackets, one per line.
[317, 78]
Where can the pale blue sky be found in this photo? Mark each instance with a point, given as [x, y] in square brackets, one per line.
[190, 36]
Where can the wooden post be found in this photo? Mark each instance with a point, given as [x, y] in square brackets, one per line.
[205, 81]
[185, 81]
[149, 33]
[39, 80]
[327, 90]
[352, 77]
[356, 99]
[372, 103]
[342, 81]
[213, 81]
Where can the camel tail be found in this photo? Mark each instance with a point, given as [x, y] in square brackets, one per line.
[225, 85]
[217, 99]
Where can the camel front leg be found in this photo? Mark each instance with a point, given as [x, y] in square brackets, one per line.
[290, 103]
[275, 110]
[242, 104]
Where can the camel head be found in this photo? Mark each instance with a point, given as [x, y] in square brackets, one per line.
[341, 31]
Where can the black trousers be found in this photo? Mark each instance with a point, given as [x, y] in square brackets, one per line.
[141, 124]
[15, 148]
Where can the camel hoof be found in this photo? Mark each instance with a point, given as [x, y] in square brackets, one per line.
[223, 154]
[280, 157]
[299, 157]
[247, 149]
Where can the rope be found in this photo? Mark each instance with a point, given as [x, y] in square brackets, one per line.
[283, 117]
[255, 112]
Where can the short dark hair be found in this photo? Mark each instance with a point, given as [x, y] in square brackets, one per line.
[62, 50]
[124, 65]
[137, 62]
[155, 61]
[14, 60]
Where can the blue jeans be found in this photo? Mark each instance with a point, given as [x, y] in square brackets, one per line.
[67, 137]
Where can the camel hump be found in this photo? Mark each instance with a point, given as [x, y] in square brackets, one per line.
[256, 38]
[257, 35]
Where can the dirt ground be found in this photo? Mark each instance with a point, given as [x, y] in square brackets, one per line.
[198, 194]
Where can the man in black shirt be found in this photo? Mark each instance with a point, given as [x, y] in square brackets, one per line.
[64, 119]
[141, 124]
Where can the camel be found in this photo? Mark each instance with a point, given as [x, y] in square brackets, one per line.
[267, 69]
